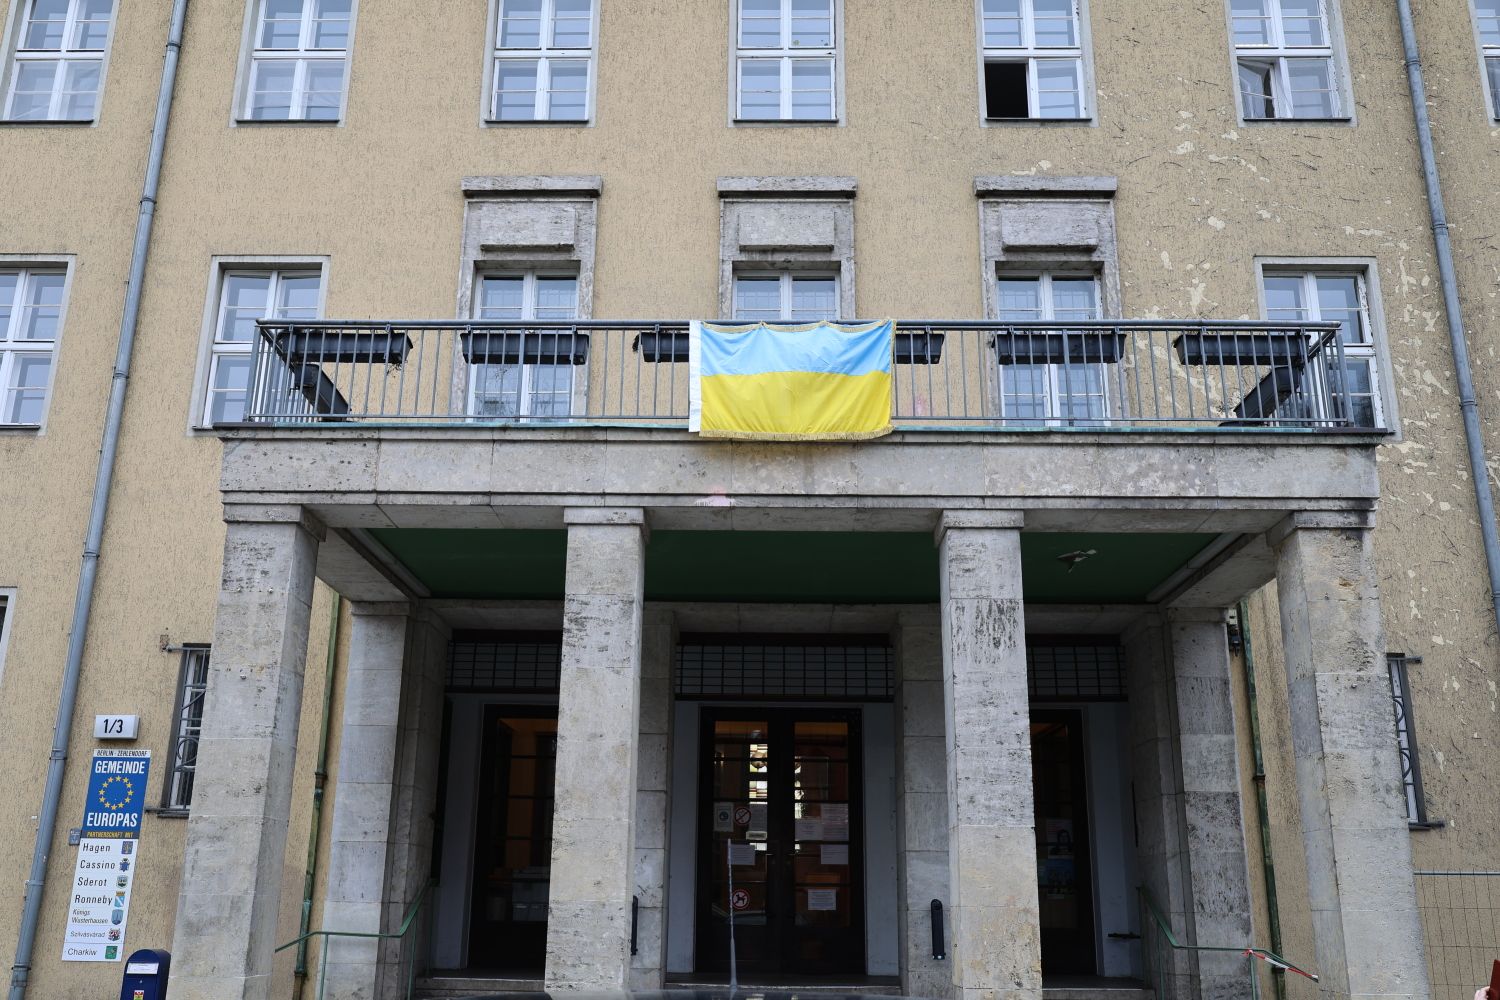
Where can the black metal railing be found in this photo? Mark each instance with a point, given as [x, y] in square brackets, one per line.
[1108, 375]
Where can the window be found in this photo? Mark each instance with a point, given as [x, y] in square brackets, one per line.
[785, 61]
[524, 381]
[187, 726]
[244, 297]
[543, 56]
[1033, 59]
[298, 59]
[1051, 391]
[30, 319]
[800, 298]
[1406, 740]
[1284, 59]
[1330, 297]
[59, 61]
[1487, 14]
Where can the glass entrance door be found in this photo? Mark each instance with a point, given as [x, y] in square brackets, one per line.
[513, 841]
[780, 820]
[1064, 879]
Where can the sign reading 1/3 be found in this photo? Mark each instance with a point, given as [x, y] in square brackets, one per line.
[107, 859]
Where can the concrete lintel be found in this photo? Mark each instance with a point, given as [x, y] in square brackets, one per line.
[604, 515]
[951, 519]
[276, 513]
[1224, 575]
[1336, 520]
[523, 185]
[381, 609]
[993, 185]
[782, 187]
[1213, 616]
[347, 568]
[520, 616]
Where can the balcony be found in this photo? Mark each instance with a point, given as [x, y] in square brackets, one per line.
[1110, 376]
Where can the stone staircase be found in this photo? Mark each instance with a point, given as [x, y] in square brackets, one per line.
[460, 987]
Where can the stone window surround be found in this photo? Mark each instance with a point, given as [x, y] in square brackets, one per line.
[1030, 223]
[46, 260]
[219, 265]
[523, 223]
[238, 112]
[787, 223]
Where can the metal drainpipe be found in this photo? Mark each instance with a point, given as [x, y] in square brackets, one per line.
[103, 478]
[1473, 435]
[1263, 813]
[320, 778]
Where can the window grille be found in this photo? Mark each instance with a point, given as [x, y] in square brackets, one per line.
[518, 664]
[187, 726]
[845, 668]
[1406, 739]
[1075, 673]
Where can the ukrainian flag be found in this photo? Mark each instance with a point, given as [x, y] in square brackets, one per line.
[815, 382]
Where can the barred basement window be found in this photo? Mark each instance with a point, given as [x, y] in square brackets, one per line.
[1406, 740]
[187, 725]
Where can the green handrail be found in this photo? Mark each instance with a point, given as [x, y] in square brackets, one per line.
[401, 932]
[1251, 953]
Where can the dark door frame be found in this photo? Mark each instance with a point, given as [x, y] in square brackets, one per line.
[1075, 952]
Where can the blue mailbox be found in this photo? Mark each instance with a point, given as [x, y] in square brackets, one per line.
[146, 975]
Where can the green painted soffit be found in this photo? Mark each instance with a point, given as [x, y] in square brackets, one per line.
[791, 566]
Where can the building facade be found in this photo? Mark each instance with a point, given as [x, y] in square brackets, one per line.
[1162, 613]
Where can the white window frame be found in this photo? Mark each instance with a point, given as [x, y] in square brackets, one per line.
[1375, 352]
[786, 55]
[65, 55]
[578, 374]
[544, 55]
[1487, 37]
[211, 347]
[1281, 55]
[303, 55]
[1055, 375]
[7, 617]
[787, 278]
[1031, 54]
[12, 346]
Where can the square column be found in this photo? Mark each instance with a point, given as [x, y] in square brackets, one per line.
[1367, 933]
[381, 830]
[996, 948]
[237, 830]
[922, 802]
[653, 800]
[598, 743]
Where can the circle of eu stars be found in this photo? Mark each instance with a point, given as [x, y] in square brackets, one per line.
[116, 798]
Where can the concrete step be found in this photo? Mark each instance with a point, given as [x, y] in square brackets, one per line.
[458, 987]
[440, 987]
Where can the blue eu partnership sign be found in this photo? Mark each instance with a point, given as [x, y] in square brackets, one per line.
[107, 856]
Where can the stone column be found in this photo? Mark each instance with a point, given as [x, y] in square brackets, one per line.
[236, 835]
[653, 801]
[996, 949]
[380, 836]
[1367, 934]
[593, 824]
[922, 802]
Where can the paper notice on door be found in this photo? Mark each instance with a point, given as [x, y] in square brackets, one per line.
[835, 812]
[834, 854]
[809, 829]
[835, 831]
[756, 828]
[742, 854]
[723, 817]
[822, 899]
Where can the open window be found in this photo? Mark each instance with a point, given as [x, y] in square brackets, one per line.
[1286, 64]
[1034, 65]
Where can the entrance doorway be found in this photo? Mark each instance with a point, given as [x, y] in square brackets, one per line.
[781, 806]
[1064, 878]
[513, 840]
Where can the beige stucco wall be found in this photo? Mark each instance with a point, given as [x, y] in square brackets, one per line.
[1199, 198]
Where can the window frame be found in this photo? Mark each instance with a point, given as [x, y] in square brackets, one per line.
[220, 268]
[14, 56]
[1408, 748]
[786, 55]
[1489, 58]
[1047, 306]
[1031, 54]
[251, 54]
[787, 278]
[192, 654]
[1377, 352]
[7, 618]
[543, 55]
[578, 374]
[1279, 55]
[12, 347]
